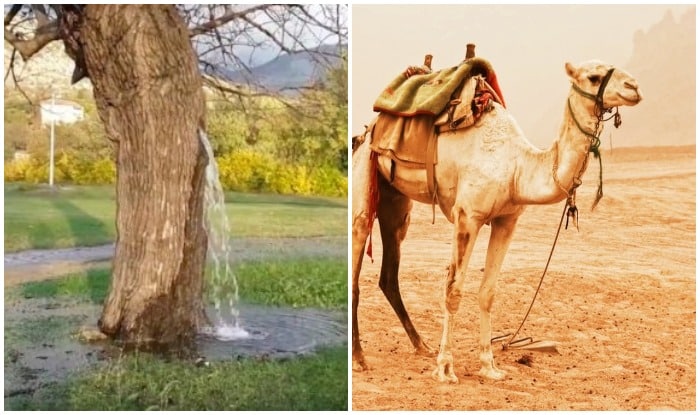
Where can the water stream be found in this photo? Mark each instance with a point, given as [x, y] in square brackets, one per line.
[221, 282]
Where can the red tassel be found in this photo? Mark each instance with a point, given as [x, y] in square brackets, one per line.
[493, 81]
[373, 200]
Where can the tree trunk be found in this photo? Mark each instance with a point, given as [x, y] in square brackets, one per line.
[148, 92]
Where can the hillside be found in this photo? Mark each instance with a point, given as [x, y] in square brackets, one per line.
[663, 62]
[290, 70]
[52, 69]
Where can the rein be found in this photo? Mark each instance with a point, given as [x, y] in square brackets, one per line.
[570, 209]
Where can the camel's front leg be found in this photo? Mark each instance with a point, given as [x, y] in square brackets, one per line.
[362, 172]
[501, 234]
[466, 231]
[360, 231]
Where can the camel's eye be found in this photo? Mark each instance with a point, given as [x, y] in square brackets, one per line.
[595, 79]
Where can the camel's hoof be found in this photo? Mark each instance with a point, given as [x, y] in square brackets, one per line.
[492, 373]
[359, 364]
[445, 375]
[425, 350]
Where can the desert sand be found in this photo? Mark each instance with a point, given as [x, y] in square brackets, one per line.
[619, 301]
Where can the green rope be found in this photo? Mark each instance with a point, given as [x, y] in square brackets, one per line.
[595, 149]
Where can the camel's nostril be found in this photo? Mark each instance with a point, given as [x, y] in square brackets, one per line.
[631, 84]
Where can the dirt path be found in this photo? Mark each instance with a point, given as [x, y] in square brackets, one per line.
[40, 341]
[36, 265]
[619, 300]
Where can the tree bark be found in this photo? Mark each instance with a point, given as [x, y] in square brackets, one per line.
[148, 91]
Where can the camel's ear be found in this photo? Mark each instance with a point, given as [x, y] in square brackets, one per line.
[571, 70]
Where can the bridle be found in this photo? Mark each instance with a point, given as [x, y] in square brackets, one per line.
[598, 98]
[570, 209]
[594, 146]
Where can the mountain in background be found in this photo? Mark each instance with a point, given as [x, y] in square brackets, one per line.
[663, 62]
[51, 69]
[289, 71]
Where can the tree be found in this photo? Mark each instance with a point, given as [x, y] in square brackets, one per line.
[148, 92]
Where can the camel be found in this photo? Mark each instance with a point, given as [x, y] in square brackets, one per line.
[486, 174]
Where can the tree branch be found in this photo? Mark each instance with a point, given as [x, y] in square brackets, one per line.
[223, 19]
[28, 47]
[12, 13]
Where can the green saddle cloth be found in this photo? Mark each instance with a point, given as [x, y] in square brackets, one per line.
[427, 94]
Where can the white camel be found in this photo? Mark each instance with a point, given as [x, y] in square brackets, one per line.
[485, 174]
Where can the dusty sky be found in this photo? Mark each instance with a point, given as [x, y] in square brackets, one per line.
[527, 45]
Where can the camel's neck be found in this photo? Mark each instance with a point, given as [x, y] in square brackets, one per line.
[549, 175]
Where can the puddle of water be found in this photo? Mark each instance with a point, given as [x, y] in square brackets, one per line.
[226, 332]
[277, 332]
[51, 355]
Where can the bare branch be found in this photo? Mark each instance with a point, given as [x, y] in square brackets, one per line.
[12, 13]
[28, 47]
[11, 64]
[42, 18]
[223, 19]
[11, 70]
[240, 92]
[267, 33]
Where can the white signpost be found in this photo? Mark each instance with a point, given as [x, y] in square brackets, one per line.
[53, 139]
[64, 112]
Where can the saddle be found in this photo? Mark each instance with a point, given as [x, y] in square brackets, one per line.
[419, 105]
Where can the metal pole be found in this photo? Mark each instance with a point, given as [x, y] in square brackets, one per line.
[53, 137]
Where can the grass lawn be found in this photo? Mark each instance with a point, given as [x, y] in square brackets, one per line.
[140, 382]
[316, 282]
[37, 217]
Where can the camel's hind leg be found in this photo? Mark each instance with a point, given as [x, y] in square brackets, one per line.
[393, 214]
[362, 172]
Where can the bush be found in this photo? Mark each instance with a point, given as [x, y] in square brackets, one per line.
[248, 171]
[68, 169]
[329, 181]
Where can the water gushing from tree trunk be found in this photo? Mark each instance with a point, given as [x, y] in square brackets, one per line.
[221, 283]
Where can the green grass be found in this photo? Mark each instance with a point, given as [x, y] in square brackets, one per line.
[296, 283]
[317, 282]
[91, 285]
[37, 217]
[141, 382]
[138, 382]
[39, 329]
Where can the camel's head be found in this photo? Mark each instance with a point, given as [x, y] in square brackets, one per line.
[593, 78]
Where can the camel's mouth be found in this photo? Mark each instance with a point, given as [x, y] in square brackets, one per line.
[634, 100]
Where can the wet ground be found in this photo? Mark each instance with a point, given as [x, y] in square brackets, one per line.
[41, 344]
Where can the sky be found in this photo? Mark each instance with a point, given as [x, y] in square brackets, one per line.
[528, 46]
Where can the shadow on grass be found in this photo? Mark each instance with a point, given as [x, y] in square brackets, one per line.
[81, 223]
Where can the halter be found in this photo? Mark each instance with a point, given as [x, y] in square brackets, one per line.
[594, 147]
[599, 108]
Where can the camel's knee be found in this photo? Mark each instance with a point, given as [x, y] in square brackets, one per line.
[452, 301]
[360, 226]
[453, 294]
[403, 228]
